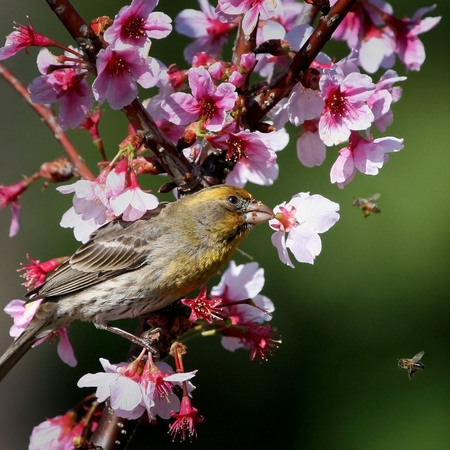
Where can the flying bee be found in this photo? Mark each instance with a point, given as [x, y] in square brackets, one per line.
[368, 205]
[412, 365]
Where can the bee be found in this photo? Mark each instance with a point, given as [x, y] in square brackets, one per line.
[368, 205]
[412, 365]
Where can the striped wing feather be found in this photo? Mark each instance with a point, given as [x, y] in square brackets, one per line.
[111, 250]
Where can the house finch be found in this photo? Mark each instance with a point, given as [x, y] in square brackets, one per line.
[128, 269]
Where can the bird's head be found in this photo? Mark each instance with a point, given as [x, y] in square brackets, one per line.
[227, 212]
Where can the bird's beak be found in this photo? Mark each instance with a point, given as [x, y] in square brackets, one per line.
[258, 213]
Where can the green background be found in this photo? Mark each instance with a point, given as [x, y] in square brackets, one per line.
[377, 292]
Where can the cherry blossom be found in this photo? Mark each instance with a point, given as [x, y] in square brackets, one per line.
[119, 72]
[207, 103]
[345, 105]
[136, 23]
[248, 330]
[371, 28]
[364, 155]
[22, 314]
[209, 32]
[36, 272]
[9, 196]
[253, 152]
[228, 10]
[57, 433]
[67, 86]
[203, 308]
[297, 225]
[408, 46]
[113, 193]
[23, 37]
[185, 421]
[137, 387]
[120, 386]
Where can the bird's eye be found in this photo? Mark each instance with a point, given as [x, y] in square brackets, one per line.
[233, 200]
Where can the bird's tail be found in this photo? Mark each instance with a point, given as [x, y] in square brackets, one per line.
[39, 327]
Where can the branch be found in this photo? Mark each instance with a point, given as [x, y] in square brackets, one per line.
[262, 102]
[51, 121]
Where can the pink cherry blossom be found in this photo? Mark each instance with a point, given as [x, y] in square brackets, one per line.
[23, 37]
[298, 223]
[157, 388]
[90, 207]
[131, 202]
[304, 104]
[119, 72]
[408, 46]
[240, 282]
[36, 272]
[57, 433]
[365, 155]
[363, 29]
[120, 386]
[64, 347]
[66, 85]
[203, 308]
[385, 95]
[22, 313]
[209, 32]
[136, 23]
[112, 194]
[185, 424]
[207, 103]
[345, 105]
[378, 36]
[9, 196]
[248, 330]
[253, 152]
[137, 387]
[228, 10]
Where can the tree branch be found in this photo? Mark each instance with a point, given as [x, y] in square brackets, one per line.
[262, 102]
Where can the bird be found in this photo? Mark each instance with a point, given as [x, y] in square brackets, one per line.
[128, 269]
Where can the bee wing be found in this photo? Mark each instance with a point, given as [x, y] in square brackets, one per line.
[110, 251]
[418, 357]
[374, 198]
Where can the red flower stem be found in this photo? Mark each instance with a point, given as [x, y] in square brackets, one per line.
[282, 85]
[51, 121]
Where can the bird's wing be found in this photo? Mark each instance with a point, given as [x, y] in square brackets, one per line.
[110, 251]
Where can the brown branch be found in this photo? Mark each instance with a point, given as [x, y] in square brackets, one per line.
[112, 432]
[51, 121]
[262, 102]
[86, 39]
[185, 175]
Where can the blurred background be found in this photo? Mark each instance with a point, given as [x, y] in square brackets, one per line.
[379, 291]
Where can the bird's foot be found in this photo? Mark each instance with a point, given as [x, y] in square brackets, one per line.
[146, 340]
